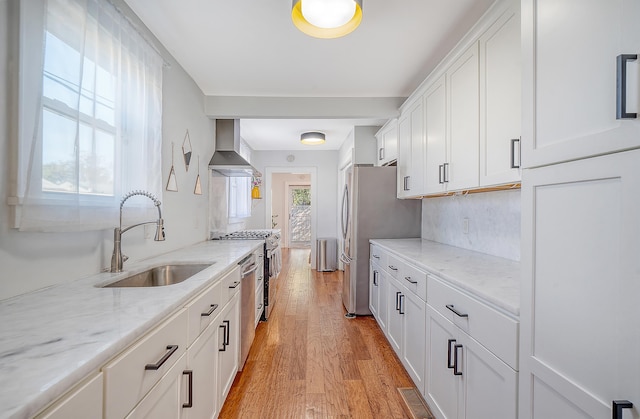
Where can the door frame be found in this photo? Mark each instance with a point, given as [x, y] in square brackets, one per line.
[313, 171]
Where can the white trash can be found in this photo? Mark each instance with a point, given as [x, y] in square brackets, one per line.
[326, 254]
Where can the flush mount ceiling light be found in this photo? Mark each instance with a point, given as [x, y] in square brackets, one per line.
[312, 138]
[326, 18]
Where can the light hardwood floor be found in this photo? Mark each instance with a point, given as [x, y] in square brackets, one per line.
[309, 361]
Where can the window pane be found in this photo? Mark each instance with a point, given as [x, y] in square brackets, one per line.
[59, 169]
[96, 161]
[61, 72]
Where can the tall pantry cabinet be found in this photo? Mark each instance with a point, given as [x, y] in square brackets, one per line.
[580, 327]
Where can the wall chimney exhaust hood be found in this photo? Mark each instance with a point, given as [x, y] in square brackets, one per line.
[226, 160]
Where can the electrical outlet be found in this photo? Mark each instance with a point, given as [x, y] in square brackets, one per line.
[465, 226]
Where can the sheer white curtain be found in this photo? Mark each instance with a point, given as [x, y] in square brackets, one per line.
[91, 116]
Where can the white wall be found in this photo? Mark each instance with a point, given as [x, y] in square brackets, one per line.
[325, 164]
[31, 261]
[494, 222]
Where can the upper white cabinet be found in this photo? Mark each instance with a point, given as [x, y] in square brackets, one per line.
[471, 120]
[500, 99]
[435, 104]
[460, 171]
[411, 157]
[580, 287]
[570, 51]
[387, 143]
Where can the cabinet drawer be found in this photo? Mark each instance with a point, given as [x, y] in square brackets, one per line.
[393, 266]
[378, 256]
[229, 286]
[127, 379]
[414, 280]
[496, 331]
[203, 309]
[84, 401]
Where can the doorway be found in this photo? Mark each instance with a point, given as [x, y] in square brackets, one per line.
[299, 216]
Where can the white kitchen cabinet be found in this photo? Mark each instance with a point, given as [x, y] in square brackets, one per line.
[374, 290]
[165, 400]
[500, 100]
[411, 157]
[464, 379]
[461, 168]
[569, 111]
[84, 401]
[228, 346]
[394, 319]
[435, 103]
[413, 311]
[581, 282]
[387, 143]
[132, 374]
[202, 361]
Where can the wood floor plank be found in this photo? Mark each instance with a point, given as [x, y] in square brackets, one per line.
[309, 361]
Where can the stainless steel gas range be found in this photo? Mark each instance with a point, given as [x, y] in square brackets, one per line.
[272, 260]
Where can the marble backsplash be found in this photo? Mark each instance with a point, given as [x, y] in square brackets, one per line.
[493, 225]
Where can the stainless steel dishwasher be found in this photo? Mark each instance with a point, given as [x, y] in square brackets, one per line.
[247, 306]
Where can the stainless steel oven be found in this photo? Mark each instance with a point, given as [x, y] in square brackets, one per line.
[272, 261]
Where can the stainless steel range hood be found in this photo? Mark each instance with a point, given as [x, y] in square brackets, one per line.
[226, 160]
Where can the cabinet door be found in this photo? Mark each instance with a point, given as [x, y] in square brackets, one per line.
[414, 353]
[435, 103]
[489, 386]
[390, 137]
[202, 360]
[500, 98]
[165, 400]
[404, 155]
[383, 300]
[228, 347]
[374, 290]
[394, 321]
[441, 385]
[580, 287]
[462, 171]
[416, 171]
[85, 401]
[569, 111]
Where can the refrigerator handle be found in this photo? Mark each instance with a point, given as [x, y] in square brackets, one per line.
[344, 219]
[344, 258]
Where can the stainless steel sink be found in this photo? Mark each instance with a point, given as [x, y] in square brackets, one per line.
[160, 276]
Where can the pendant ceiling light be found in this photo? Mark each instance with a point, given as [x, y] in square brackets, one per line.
[326, 18]
[312, 138]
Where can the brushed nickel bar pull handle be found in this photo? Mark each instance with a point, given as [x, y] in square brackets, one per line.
[408, 278]
[381, 154]
[235, 284]
[513, 153]
[401, 310]
[189, 373]
[449, 363]
[621, 86]
[450, 307]
[211, 310]
[445, 170]
[393, 268]
[375, 278]
[170, 350]
[617, 407]
[376, 256]
[455, 359]
[398, 300]
[440, 181]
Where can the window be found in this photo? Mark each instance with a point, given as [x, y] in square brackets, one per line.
[90, 116]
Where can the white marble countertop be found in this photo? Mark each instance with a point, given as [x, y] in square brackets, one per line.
[490, 278]
[52, 338]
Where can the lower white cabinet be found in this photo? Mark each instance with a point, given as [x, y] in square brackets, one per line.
[580, 287]
[464, 379]
[166, 399]
[228, 346]
[84, 401]
[378, 291]
[202, 364]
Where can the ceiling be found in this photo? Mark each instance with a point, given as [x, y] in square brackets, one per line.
[251, 48]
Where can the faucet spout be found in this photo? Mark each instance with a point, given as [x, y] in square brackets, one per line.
[117, 259]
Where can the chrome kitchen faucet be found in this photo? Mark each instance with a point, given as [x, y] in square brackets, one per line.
[117, 258]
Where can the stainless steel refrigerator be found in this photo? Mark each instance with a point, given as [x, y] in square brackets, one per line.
[370, 210]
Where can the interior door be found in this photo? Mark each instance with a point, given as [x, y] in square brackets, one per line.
[299, 226]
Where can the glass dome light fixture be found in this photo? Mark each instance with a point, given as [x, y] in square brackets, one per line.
[326, 18]
[312, 138]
